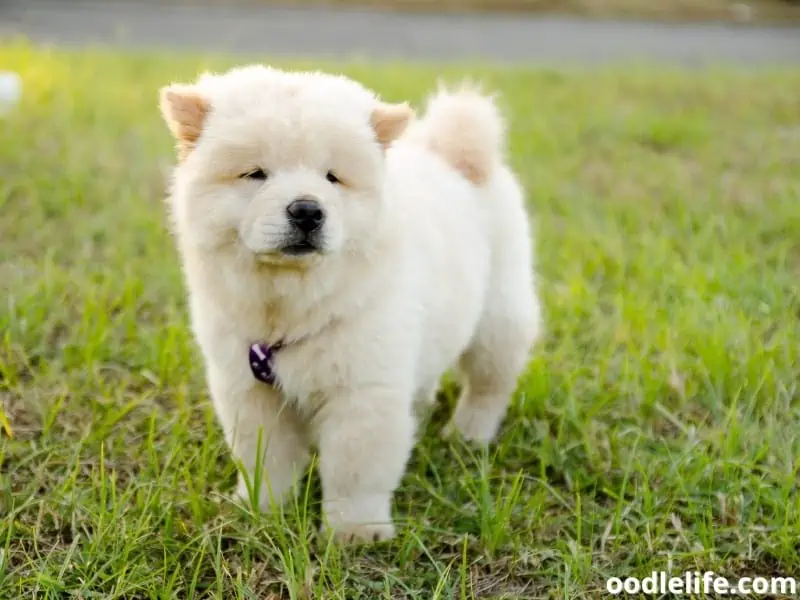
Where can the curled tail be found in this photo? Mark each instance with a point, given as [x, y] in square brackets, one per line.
[466, 129]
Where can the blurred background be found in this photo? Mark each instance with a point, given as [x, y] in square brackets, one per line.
[583, 31]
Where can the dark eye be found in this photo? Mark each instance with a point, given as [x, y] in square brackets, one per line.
[332, 178]
[258, 174]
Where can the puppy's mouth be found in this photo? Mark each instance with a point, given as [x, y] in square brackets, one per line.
[292, 248]
[300, 248]
[300, 244]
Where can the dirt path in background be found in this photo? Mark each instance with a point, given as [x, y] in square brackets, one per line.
[735, 11]
[322, 32]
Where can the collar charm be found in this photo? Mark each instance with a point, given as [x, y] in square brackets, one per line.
[261, 357]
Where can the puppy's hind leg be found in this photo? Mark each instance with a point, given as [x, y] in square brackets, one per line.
[490, 369]
[491, 366]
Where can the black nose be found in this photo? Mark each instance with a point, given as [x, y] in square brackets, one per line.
[305, 214]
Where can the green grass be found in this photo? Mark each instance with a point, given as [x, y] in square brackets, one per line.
[657, 428]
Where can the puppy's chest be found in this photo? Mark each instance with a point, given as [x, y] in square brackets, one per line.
[308, 352]
[293, 351]
[274, 322]
[313, 367]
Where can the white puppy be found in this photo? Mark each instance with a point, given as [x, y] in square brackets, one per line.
[367, 254]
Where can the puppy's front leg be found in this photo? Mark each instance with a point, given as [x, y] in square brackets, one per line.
[255, 416]
[365, 439]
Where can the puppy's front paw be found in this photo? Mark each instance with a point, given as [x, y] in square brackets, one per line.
[266, 504]
[361, 533]
[358, 518]
[241, 497]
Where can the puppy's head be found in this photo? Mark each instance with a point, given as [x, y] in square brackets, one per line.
[285, 166]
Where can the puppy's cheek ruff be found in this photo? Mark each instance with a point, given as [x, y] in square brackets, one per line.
[333, 238]
[254, 244]
[355, 217]
[207, 210]
[264, 234]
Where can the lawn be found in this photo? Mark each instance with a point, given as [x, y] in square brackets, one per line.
[658, 427]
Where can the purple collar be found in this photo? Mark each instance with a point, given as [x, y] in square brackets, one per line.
[261, 356]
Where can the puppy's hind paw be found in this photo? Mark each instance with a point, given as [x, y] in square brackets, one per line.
[475, 424]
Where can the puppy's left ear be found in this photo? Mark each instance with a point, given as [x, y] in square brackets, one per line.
[390, 121]
[184, 110]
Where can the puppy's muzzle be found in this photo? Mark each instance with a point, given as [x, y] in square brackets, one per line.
[306, 218]
[306, 215]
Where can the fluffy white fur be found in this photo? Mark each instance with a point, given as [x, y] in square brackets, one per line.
[424, 263]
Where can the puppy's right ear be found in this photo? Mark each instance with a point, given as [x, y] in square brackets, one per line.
[184, 110]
